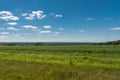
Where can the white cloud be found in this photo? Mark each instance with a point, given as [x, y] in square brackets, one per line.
[29, 27]
[90, 19]
[24, 14]
[34, 14]
[16, 35]
[46, 32]
[108, 19]
[58, 15]
[5, 33]
[56, 32]
[3, 37]
[12, 28]
[12, 23]
[47, 27]
[2, 28]
[82, 30]
[115, 29]
[61, 29]
[6, 15]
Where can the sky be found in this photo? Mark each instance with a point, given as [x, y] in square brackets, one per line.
[59, 20]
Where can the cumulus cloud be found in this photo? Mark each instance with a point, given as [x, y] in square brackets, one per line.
[5, 33]
[29, 27]
[82, 30]
[61, 29]
[2, 28]
[56, 32]
[12, 23]
[34, 14]
[46, 32]
[47, 27]
[108, 19]
[115, 29]
[3, 37]
[13, 28]
[89, 19]
[24, 14]
[6, 15]
[58, 15]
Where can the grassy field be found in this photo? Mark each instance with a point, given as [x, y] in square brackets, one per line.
[63, 62]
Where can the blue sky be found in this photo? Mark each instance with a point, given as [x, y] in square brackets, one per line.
[59, 20]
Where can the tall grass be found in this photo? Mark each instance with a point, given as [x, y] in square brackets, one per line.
[85, 62]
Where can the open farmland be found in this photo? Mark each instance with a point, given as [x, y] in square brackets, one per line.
[60, 62]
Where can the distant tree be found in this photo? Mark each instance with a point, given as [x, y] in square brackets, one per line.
[38, 44]
[111, 43]
[11, 44]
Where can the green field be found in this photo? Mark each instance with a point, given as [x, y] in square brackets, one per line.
[60, 62]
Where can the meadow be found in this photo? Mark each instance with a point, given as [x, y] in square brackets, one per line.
[60, 62]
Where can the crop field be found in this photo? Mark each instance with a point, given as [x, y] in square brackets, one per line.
[60, 62]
